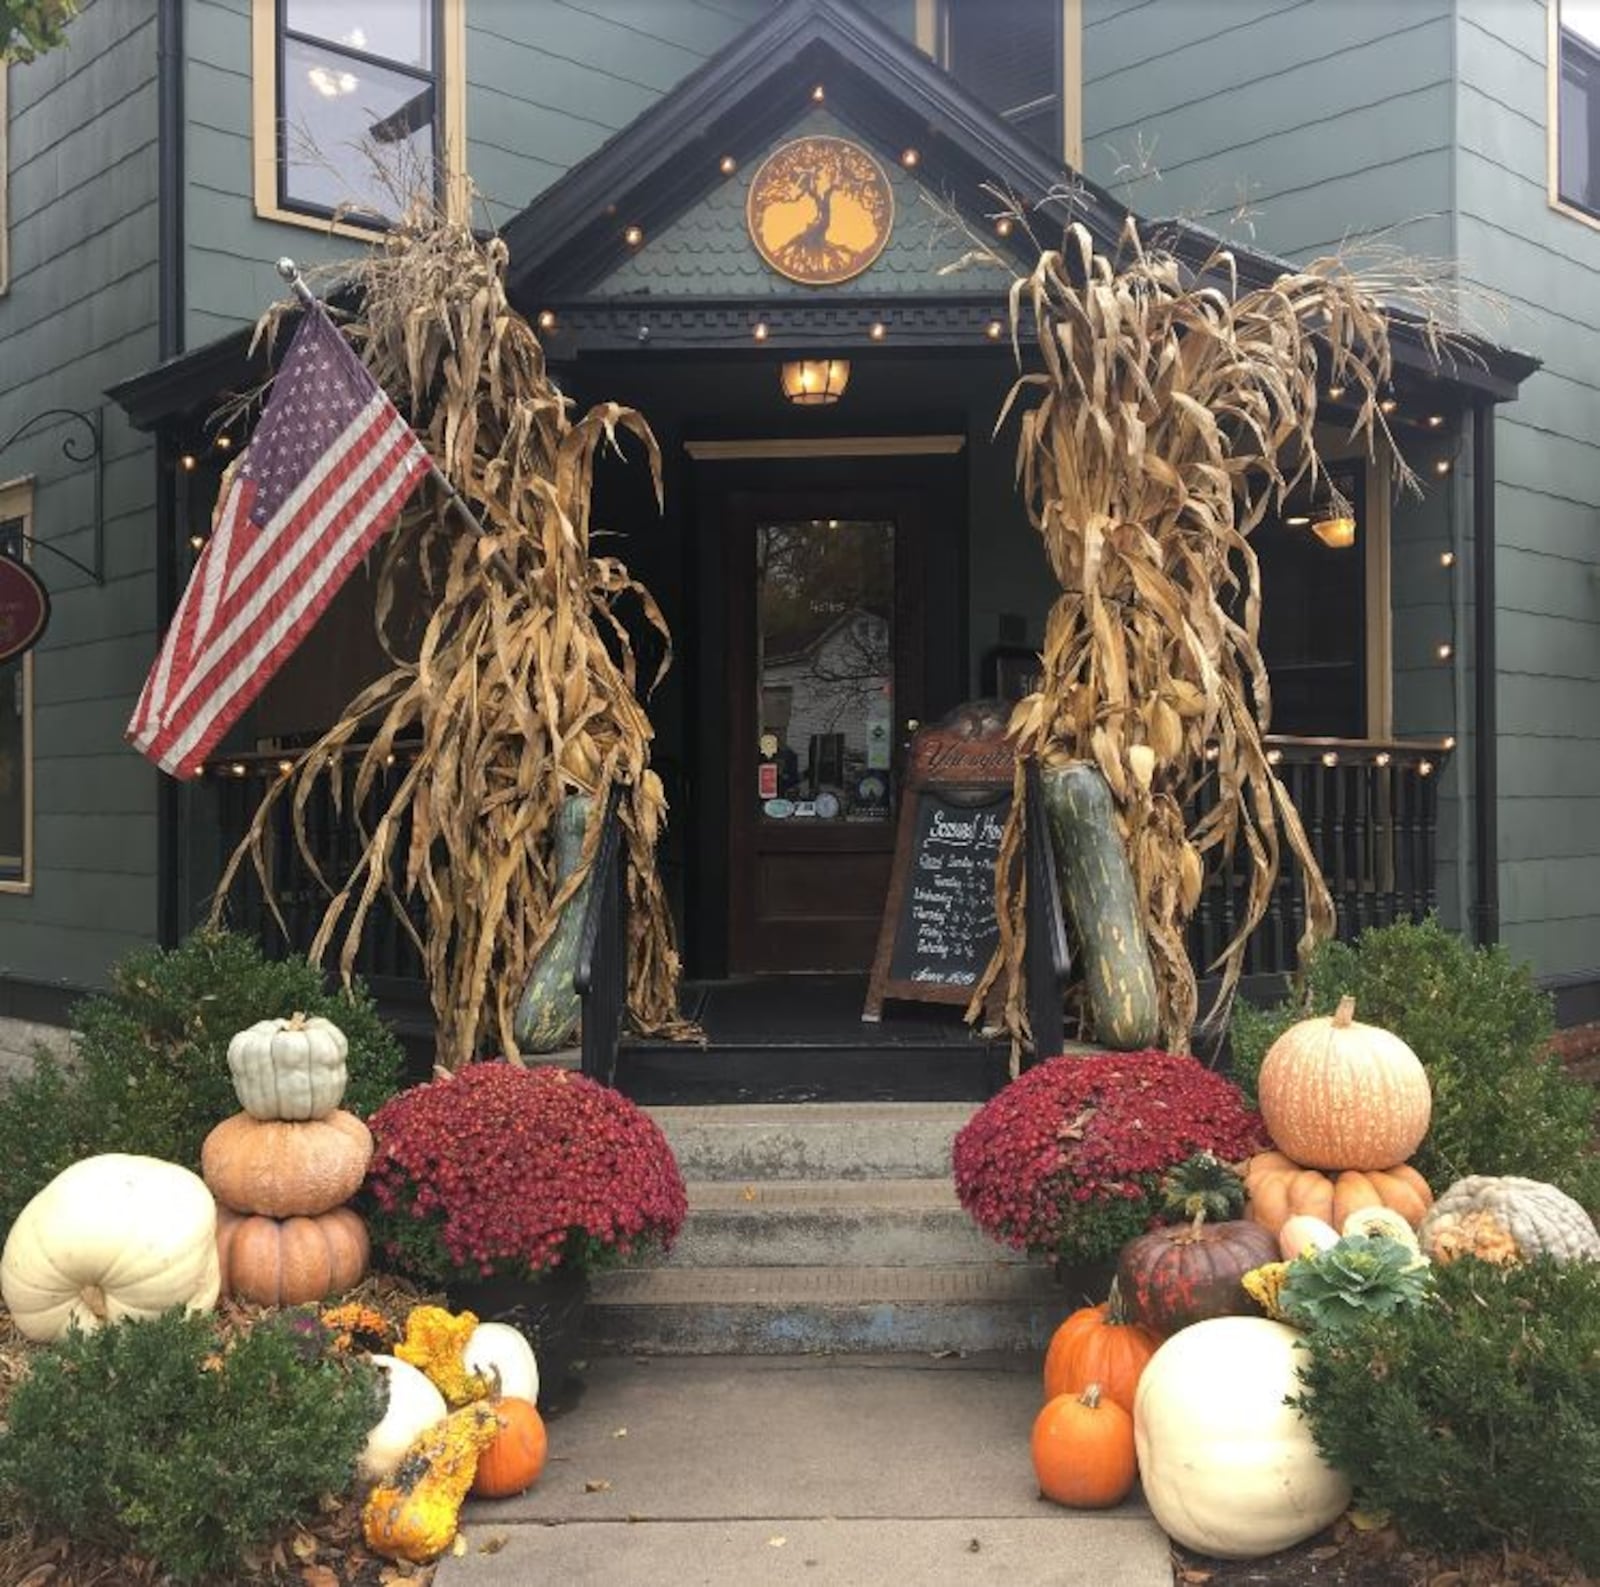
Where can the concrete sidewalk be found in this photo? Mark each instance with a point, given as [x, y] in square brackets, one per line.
[744, 1471]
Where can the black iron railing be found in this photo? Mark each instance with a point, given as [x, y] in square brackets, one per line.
[1046, 960]
[601, 974]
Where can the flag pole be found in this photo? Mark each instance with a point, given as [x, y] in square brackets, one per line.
[290, 272]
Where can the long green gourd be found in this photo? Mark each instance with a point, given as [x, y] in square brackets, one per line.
[549, 1009]
[1103, 904]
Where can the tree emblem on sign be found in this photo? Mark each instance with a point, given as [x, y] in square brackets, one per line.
[820, 210]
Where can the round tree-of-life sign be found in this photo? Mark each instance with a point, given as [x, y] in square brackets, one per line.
[820, 210]
[24, 608]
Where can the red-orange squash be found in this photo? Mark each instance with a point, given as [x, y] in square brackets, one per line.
[1082, 1448]
[286, 1262]
[286, 1170]
[1279, 1188]
[1338, 1094]
[513, 1461]
[1098, 1344]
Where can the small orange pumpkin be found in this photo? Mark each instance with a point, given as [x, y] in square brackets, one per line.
[1098, 1344]
[1083, 1450]
[288, 1261]
[515, 1457]
[1279, 1188]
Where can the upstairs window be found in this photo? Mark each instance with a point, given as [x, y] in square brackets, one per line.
[353, 98]
[1010, 54]
[1576, 63]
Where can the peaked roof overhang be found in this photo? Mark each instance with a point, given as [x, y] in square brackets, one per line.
[569, 239]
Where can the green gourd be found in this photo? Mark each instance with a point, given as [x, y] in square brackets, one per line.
[1098, 890]
[549, 1009]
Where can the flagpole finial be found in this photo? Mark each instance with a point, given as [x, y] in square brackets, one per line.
[287, 268]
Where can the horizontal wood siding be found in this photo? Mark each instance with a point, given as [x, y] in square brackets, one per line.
[81, 314]
[1542, 265]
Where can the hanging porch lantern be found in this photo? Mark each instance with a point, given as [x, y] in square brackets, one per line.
[811, 382]
[1336, 530]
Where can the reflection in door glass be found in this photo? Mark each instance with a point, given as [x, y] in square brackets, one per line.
[824, 654]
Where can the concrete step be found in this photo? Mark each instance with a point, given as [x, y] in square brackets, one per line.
[966, 1307]
[822, 1222]
[814, 1140]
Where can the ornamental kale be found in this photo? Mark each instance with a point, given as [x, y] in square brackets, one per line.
[1068, 1159]
[1364, 1275]
[501, 1171]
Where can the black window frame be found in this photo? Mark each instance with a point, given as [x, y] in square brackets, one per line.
[434, 78]
[1587, 51]
[1015, 115]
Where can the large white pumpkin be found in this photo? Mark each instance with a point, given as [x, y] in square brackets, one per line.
[1228, 1469]
[414, 1406]
[110, 1237]
[289, 1068]
[498, 1349]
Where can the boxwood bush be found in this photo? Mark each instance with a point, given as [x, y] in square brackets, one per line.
[1501, 1104]
[150, 1073]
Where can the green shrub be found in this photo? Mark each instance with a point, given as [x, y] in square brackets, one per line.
[1474, 1419]
[151, 1437]
[151, 1074]
[1480, 1026]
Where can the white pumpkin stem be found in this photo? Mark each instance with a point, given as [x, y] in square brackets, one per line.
[1345, 1013]
[297, 1020]
[95, 1299]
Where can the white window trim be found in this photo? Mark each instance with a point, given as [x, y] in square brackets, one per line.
[16, 501]
[931, 40]
[1553, 122]
[264, 119]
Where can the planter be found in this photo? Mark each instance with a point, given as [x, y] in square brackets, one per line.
[549, 1009]
[547, 1311]
[1086, 1283]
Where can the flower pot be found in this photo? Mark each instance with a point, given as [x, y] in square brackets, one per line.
[547, 1310]
[1086, 1283]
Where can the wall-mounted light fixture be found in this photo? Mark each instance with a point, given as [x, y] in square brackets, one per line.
[810, 382]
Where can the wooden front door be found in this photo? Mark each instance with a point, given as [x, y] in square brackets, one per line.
[825, 631]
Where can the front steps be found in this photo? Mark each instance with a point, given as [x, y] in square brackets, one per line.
[824, 1227]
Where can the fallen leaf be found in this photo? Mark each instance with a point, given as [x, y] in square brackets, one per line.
[776, 1542]
[493, 1545]
[596, 1485]
[1368, 1520]
[749, 1192]
[1327, 1551]
[621, 1432]
[303, 1546]
[945, 1355]
[974, 1546]
[319, 1576]
[458, 1545]
[1195, 1576]
[1447, 1578]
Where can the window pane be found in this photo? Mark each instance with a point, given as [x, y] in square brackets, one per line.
[1583, 18]
[1008, 54]
[398, 30]
[333, 109]
[13, 740]
[1578, 137]
[824, 613]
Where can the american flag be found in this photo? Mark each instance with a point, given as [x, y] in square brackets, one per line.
[327, 471]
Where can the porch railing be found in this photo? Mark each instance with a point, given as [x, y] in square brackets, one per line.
[601, 975]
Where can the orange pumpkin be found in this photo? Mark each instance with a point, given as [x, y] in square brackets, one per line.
[1098, 1344]
[286, 1170]
[1338, 1094]
[514, 1459]
[286, 1262]
[1280, 1188]
[1083, 1450]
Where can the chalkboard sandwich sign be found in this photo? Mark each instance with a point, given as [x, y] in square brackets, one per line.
[939, 929]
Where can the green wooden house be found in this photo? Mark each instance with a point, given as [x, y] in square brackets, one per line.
[842, 553]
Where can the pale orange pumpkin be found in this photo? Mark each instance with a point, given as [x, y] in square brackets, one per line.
[286, 1262]
[1280, 1188]
[286, 1170]
[1082, 1448]
[513, 1461]
[1338, 1094]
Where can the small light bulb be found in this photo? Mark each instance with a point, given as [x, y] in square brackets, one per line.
[238, 768]
[1425, 768]
[547, 319]
[224, 443]
[285, 767]
[1444, 650]
[187, 462]
[1447, 559]
[879, 331]
[1274, 757]
[909, 158]
[727, 165]
[1441, 466]
[1388, 405]
[1003, 226]
[1450, 742]
[633, 236]
[759, 330]
[1435, 421]
[1335, 392]
[1330, 757]
[818, 94]
[1213, 751]
[197, 542]
[1382, 758]
[994, 330]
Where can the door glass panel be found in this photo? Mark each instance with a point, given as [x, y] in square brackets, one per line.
[825, 670]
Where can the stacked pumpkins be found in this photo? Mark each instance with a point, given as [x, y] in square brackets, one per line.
[1178, 1376]
[283, 1169]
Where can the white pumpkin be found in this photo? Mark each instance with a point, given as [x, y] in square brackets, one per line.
[110, 1237]
[414, 1406]
[498, 1349]
[1228, 1469]
[289, 1068]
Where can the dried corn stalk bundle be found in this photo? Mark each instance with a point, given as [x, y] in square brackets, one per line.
[523, 688]
[1172, 411]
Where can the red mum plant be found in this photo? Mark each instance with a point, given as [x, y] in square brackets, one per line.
[501, 1171]
[1067, 1160]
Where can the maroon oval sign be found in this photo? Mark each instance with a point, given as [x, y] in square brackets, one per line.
[24, 608]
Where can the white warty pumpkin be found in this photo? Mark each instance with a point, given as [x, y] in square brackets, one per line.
[289, 1068]
[110, 1237]
[413, 1407]
[499, 1351]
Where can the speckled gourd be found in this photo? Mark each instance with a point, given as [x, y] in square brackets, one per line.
[1098, 890]
[286, 1170]
[1476, 1216]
